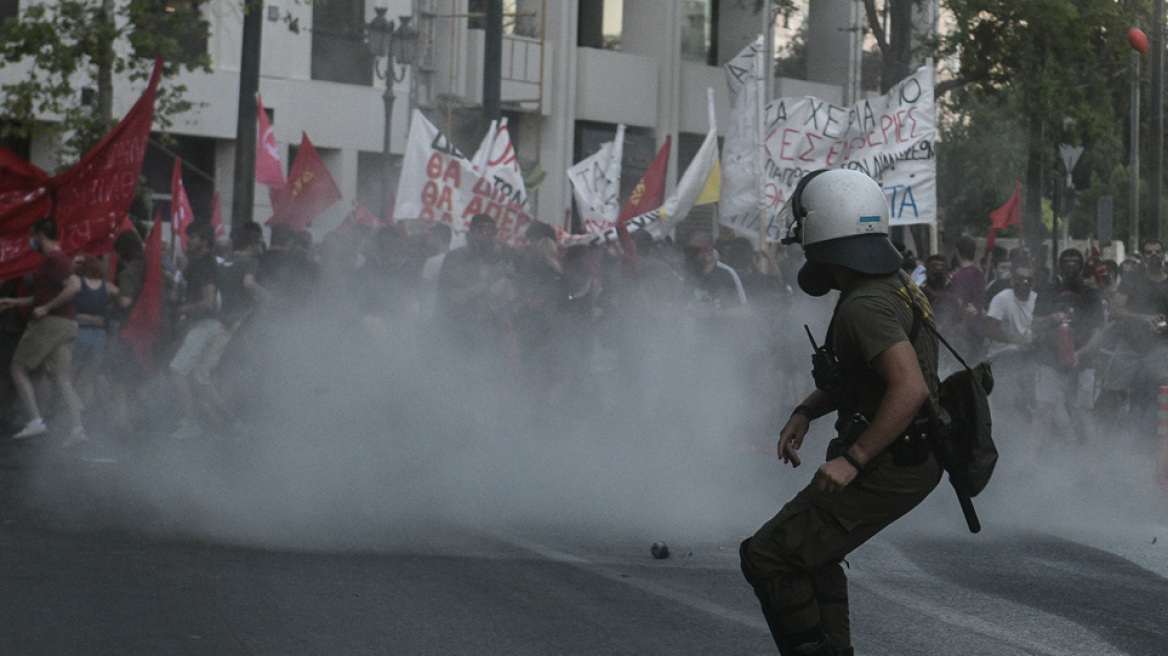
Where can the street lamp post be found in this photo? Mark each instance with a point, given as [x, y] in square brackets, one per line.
[396, 45]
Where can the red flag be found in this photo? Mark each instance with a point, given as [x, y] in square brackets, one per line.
[649, 194]
[142, 329]
[1010, 213]
[269, 170]
[181, 215]
[1005, 216]
[310, 190]
[364, 216]
[87, 201]
[217, 217]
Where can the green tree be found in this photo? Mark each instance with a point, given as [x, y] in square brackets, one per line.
[73, 49]
[1062, 68]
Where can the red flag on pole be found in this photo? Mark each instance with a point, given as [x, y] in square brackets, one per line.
[310, 190]
[87, 201]
[649, 194]
[217, 217]
[269, 169]
[145, 322]
[1005, 216]
[1010, 213]
[180, 206]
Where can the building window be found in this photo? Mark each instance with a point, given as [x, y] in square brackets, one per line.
[9, 9]
[600, 24]
[339, 53]
[198, 154]
[699, 31]
[177, 29]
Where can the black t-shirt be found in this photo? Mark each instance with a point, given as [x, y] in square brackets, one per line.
[200, 272]
[1143, 297]
[719, 287]
[1084, 308]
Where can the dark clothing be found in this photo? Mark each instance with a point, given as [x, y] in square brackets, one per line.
[794, 561]
[718, 287]
[1084, 308]
[969, 286]
[200, 272]
[94, 302]
[236, 300]
[1144, 296]
[54, 272]
[288, 275]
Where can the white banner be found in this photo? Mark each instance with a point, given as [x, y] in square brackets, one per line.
[596, 184]
[438, 183]
[677, 205]
[738, 208]
[891, 138]
[497, 162]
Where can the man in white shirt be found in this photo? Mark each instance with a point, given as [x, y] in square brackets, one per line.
[1009, 319]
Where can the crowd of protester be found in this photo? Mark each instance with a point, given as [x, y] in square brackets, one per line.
[1080, 352]
[1076, 351]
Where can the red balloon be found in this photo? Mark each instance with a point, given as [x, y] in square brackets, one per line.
[1138, 40]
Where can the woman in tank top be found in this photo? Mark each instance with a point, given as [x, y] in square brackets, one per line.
[92, 303]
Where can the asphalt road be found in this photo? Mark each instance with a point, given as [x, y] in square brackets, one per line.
[71, 586]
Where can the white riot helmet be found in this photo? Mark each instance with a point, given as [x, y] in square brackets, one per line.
[840, 217]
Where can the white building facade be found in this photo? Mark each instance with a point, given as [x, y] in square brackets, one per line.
[572, 71]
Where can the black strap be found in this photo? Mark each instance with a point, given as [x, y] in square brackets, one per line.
[918, 319]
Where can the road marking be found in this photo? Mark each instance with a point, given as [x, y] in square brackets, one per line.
[1027, 628]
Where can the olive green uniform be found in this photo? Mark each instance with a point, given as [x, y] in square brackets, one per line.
[793, 561]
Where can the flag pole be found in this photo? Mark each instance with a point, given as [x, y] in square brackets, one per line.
[761, 66]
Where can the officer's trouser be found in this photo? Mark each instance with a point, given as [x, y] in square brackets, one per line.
[793, 561]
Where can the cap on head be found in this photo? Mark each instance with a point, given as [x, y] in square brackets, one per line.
[841, 218]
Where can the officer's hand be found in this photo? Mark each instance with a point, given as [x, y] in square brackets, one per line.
[791, 438]
[834, 475]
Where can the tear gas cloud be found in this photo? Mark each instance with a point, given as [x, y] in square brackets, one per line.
[371, 434]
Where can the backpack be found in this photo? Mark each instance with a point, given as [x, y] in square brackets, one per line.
[964, 444]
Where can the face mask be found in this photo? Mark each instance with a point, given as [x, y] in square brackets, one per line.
[32, 243]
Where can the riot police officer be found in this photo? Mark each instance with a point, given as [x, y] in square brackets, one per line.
[877, 370]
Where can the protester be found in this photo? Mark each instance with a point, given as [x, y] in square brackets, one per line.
[1068, 325]
[92, 304]
[204, 335]
[475, 287]
[51, 333]
[286, 271]
[1138, 364]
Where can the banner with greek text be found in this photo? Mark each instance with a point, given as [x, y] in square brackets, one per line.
[438, 183]
[678, 205]
[88, 201]
[596, 184]
[739, 205]
[891, 138]
[497, 162]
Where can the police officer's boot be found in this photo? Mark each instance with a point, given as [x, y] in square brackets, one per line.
[753, 579]
[809, 643]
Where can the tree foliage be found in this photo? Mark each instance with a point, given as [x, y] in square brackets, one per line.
[69, 52]
[1031, 74]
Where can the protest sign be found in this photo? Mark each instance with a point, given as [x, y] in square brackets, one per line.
[596, 184]
[891, 138]
[438, 183]
[497, 162]
[88, 201]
